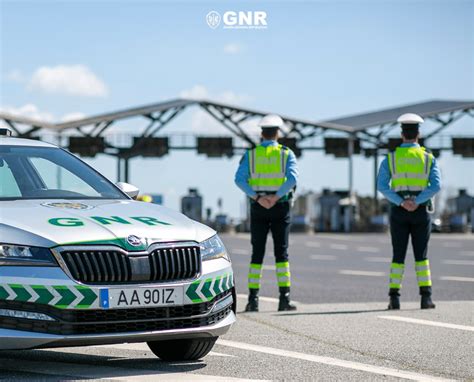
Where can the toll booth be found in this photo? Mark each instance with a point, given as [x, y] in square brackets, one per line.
[191, 205]
[303, 212]
[460, 212]
[337, 212]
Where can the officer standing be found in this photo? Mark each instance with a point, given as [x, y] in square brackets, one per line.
[268, 175]
[409, 177]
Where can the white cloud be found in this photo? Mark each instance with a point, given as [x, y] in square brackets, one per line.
[202, 122]
[70, 80]
[233, 48]
[28, 110]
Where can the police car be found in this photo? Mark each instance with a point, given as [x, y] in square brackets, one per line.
[82, 263]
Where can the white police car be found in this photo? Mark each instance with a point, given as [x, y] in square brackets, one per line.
[82, 263]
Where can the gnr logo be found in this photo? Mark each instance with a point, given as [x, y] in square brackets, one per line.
[238, 20]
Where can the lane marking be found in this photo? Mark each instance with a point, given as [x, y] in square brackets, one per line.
[269, 267]
[323, 257]
[361, 273]
[369, 249]
[331, 361]
[340, 247]
[466, 253]
[378, 259]
[450, 244]
[312, 244]
[459, 262]
[239, 251]
[267, 299]
[429, 323]
[456, 278]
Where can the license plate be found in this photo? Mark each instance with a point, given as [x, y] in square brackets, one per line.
[141, 297]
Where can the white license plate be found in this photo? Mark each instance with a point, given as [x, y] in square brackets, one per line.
[141, 297]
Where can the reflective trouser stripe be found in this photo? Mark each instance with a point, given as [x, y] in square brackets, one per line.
[255, 274]
[396, 275]
[423, 273]
[283, 274]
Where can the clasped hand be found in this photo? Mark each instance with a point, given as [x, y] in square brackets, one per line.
[409, 205]
[268, 201]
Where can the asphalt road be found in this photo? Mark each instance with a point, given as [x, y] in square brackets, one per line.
[341, 331]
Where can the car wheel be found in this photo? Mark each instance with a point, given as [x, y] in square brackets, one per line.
[182, 350]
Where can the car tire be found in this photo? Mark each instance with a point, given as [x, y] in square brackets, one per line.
[182, 350]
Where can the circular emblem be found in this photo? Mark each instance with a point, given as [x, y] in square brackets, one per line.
[213, 19]
[134, 240]
[71, 206]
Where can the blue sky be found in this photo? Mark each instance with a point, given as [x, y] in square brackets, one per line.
[315, 60]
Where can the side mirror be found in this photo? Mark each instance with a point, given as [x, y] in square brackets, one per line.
[128, 189]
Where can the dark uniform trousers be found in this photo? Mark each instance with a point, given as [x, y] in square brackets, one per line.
[405, 224]
[276, 220]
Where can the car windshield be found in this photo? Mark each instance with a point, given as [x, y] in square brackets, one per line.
[28, 172]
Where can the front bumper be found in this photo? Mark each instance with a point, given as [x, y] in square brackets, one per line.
[208, 310]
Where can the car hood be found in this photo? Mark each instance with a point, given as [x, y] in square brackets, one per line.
[64, 222]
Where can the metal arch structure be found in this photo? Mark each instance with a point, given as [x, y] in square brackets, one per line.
[370, 128]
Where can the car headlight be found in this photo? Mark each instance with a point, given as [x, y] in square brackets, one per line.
[213, 248]
[21, 255]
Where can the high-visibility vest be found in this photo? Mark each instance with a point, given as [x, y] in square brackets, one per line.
[410, 170]
[267, 166]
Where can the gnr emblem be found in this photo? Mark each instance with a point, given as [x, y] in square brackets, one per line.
[213, 19]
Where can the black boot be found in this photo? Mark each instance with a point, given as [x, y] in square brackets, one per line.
[285, 304]
[426, 302]
[394, 303]
[252, 305]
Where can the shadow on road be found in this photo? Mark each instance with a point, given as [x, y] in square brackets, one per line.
[337, 312]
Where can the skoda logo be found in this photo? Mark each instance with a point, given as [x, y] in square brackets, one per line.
[134, 240]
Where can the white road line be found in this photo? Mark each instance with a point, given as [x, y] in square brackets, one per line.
[369, 249]
[340, 247]
[239, 251]
[323, 257]
[267, 299]
[312, 244]
[451, 244]
[331, 361]
[466, 253]
[269, 267]
[378, 259]
[459, 262]
[429, 323]
[457, 278]
[361, 273]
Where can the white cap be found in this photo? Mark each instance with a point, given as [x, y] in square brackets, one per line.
[410, 118]
[271, 120]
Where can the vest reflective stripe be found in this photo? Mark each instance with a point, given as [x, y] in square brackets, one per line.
[409, 169]
[267, 167]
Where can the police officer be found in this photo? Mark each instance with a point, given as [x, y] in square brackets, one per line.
[268, 175]
[409, 178]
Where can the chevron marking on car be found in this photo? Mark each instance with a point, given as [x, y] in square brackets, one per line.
[207, 289]
[59, 296]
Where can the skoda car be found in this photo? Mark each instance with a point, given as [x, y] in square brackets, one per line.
[82, 263]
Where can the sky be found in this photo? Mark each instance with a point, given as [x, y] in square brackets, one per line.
[315, 60]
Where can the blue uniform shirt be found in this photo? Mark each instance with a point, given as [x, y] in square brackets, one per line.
[384, 176]
[243, 173]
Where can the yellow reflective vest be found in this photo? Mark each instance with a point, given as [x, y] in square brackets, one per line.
[267, 167]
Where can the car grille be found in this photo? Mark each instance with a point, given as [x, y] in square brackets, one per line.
[76, 322]
[109, 267]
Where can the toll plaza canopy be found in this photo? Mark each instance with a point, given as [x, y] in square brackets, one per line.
[371, 127]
